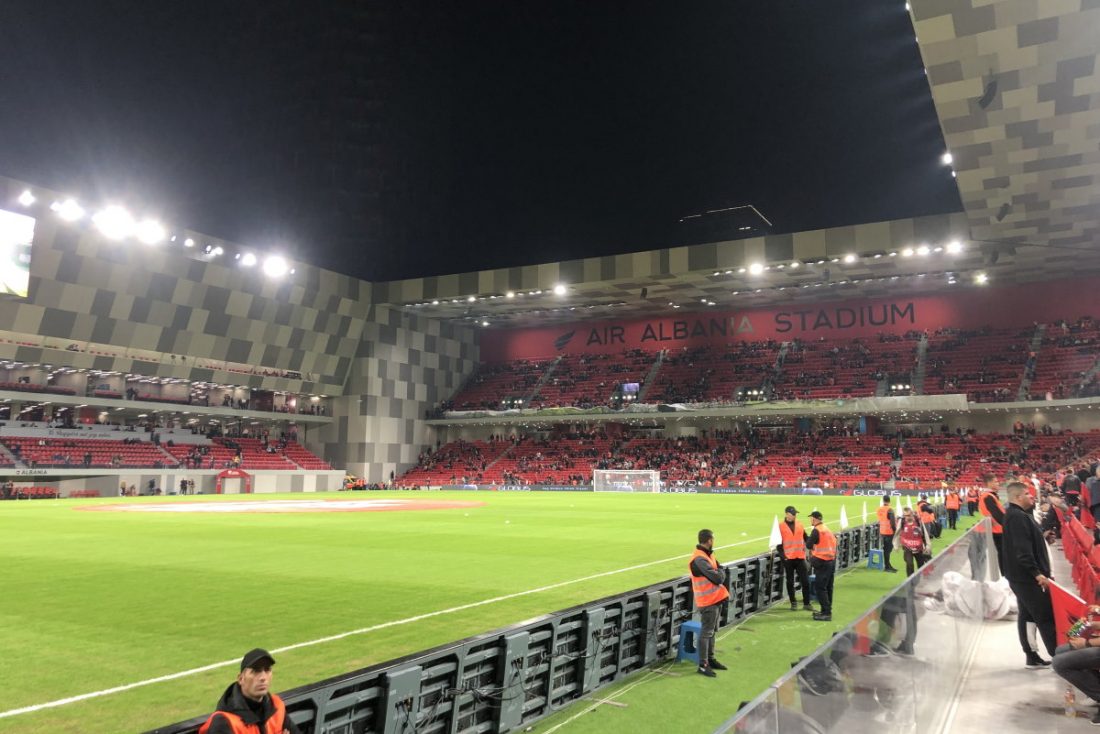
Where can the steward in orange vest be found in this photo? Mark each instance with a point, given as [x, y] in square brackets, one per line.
[886, 526]
[792, 550]
[928, 517]
[248, 706]
[989, 504]
[952, 502]
[823, 545]
[708, 584]
[972, 500]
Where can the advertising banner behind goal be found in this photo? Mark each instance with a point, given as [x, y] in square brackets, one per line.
[626, 480]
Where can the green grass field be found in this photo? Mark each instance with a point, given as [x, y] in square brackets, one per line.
[96, 600]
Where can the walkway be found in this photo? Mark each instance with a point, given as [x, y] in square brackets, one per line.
[999, 692]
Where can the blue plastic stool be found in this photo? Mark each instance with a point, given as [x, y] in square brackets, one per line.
[874, 559]
[813, 587]
[689, 641]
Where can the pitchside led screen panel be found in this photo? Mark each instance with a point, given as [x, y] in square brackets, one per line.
[16, 235]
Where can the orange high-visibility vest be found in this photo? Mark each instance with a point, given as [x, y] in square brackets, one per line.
[707, 593]
[972, 495]
[927, 516]
[997, 529]
[952, 501]
[794, 544]
[884, 526]
[825, 550]
[274, 725]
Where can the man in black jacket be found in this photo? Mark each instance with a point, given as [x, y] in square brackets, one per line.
[249, 701]
[1027, 566]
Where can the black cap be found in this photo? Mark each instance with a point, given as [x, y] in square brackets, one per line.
[252, 658]
[790, 509]
[817, 514]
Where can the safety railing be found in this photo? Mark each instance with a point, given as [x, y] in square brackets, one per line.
[507, 679]
[910, 648]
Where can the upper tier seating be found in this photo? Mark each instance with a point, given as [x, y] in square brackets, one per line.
[494, 383]
[584, 381]
[70, 452]
[841, 368]
[986, 364]
[1068, 353]
[712, 374]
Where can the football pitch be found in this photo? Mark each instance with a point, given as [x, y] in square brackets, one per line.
[99, 600]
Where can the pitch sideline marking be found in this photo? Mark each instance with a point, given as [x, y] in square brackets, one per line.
[362, 630]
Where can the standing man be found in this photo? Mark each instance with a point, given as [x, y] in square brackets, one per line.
[1027, 568]
[989, 505]
[887, 526]
[823, 545]
[793, 552]
[248, 705]
[952, 502]
[708, 582]
[928, 517]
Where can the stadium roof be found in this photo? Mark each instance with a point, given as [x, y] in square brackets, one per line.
[1017, 92]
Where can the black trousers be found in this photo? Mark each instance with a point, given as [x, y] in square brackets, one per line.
[791, 567]
[824, 571]
[887, 549]
[952, 518]
[972, 508]
[1035, 606]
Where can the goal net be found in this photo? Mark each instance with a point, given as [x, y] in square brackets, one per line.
[626, 480]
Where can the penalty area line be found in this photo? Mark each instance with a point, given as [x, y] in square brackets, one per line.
[350, 633]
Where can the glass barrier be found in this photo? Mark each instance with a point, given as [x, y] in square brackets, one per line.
[897, 664]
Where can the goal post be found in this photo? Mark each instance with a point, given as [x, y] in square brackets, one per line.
[626, 480]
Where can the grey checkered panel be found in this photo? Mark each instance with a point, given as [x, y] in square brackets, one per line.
[198, 313]
[1017, 88]
[406, 365]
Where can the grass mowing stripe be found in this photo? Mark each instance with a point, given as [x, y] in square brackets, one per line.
[342, 635]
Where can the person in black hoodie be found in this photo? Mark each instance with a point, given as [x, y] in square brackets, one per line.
[1027, 566]
[248, 705]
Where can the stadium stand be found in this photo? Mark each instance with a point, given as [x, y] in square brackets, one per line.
[836, 458]
[823, 369]
[713, 374]
[585, 381]
[83, 452]
[493, 385]
[987, 364]
[459, 462]
[1068, 354]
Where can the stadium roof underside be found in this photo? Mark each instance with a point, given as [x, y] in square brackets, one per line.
[1017, 89]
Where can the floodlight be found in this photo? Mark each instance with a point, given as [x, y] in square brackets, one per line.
[114, 223]
[275, 267]
[756, 268]
[150, 232]
[954, 247]
[849, 258]
[26, 198]
[68, 210]
[559, 290]
[248, 260]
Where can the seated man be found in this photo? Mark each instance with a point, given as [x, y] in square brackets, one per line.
[1079, 661]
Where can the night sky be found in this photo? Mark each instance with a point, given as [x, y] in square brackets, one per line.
[398, 139]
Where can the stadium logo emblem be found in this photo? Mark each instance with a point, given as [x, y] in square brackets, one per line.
[563, 341]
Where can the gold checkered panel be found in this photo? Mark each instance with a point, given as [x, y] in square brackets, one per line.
[1017, 88]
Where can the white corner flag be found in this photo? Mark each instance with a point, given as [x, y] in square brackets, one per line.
[864, 510]
[777, 538]
[843, 518]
